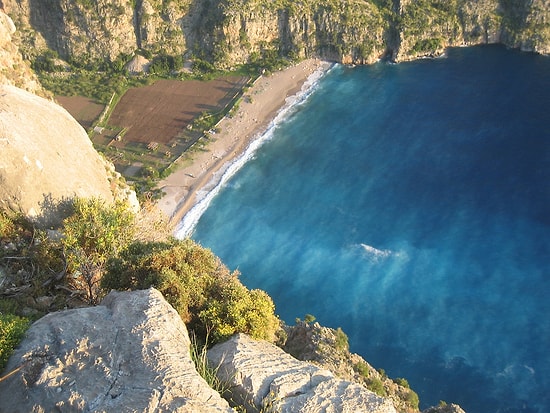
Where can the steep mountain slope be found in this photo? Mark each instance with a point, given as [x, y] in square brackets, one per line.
[229, 32]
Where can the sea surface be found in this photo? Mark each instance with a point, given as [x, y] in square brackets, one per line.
[409, 204]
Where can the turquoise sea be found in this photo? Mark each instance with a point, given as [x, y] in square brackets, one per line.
[409, 204]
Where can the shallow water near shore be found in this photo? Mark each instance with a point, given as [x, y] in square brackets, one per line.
[409, 204]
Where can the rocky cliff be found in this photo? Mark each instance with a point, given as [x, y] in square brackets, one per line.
[13, 70]
[428, 26]
[264, 378]
[132, 353]
[47, 157]
[229, 32]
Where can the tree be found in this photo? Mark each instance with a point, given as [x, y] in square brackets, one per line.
[92, 234]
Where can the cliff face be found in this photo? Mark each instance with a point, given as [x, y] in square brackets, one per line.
[350, 32]
[428, 26]
[13, 70]
[229, 32]
[38, 139]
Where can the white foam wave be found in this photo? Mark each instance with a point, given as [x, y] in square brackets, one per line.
[187, 225]
[513, 371]
[375, 252]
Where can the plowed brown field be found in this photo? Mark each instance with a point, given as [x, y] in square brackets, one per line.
[84, 110]
[153, 119]
[158, 112]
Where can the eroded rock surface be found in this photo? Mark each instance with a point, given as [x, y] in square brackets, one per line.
[131, 353]
[47, 157]
[13, 69]
[264, 378]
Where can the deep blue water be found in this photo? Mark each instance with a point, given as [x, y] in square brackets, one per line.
[409, 204]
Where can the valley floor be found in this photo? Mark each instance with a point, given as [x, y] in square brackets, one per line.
[259, 106]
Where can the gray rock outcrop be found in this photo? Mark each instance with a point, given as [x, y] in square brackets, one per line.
[129, 354]
[262, 377]
[47, 157]
[445, 408]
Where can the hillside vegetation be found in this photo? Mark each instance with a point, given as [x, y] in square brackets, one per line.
[101, 247]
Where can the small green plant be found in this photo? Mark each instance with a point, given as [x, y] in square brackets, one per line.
[308, 318]
[342, 341]
[375, 384]
[362, 368]
[12, 330]
[199, 355]
[7, 226]
[402, 382]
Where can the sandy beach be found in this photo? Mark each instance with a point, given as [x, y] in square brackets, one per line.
[257, 109]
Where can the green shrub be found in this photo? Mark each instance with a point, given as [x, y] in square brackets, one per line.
[402, 382]
[342, 342]
[428, 45]
[164, 64]
[362, 368]
[376, 385]
[92, 234]
[45, 62]
[412, 399]
[145, 53]
[12, 330]
[309, 318]
[208, 297]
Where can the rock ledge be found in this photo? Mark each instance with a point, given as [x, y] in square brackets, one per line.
[131, 353]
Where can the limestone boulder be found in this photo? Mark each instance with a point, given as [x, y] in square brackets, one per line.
[129, 354]
[262, 377]
[46, 158]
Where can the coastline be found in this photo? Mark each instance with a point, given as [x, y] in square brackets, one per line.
[186, 187]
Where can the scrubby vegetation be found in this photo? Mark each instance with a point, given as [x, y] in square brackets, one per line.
[12, 329]
[101, 247]
[95, 80]
[93, 234]
[209, 298]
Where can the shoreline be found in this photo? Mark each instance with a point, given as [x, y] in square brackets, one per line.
[192, 182]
